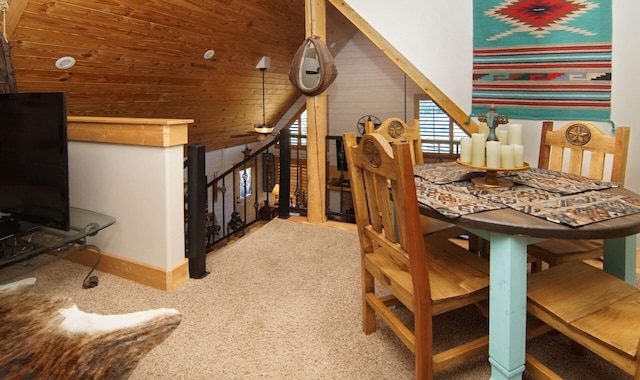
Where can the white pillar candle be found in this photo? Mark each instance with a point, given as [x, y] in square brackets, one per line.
[493, 154]
[518, 155]
[483, 128]
[477, 149]
[507, 156]
[514, 135]
[502, 136]
[465, 149]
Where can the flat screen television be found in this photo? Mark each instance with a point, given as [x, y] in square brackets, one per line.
[34, 173]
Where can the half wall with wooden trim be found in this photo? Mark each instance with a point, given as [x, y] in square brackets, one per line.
[132, 169]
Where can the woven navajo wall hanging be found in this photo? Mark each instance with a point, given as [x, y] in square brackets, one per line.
[542, 59]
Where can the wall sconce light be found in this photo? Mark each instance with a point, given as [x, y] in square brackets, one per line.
[66, 62]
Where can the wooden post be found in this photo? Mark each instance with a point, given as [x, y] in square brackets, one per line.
[7, 76]
[317, 125]
[197, 187]
[285, 173]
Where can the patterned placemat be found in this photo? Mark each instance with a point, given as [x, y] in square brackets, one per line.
[574, 210]
[581, 209]
[563, 183]
[557, 197]
[445, 172]
[453, 199]
[516, 196]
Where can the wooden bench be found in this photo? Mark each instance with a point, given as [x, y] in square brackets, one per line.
[593, 308]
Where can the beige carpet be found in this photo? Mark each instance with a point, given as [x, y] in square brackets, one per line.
[284, 303]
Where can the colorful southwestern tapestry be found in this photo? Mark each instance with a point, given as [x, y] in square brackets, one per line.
[542, 59]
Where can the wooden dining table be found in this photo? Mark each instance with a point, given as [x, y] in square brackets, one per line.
[509, 231]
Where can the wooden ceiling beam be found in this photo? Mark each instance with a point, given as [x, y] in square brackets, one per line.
[14, 14]
[317, 123]
[145, 59]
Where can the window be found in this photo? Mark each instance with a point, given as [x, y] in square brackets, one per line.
[244, 182]
[298, 167]
[298, 129]
[438, 132]
[297, 183]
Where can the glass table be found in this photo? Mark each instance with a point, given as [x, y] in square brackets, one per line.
[46, 240]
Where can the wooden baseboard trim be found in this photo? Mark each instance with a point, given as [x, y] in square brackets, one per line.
[172, 279]
[135, 271]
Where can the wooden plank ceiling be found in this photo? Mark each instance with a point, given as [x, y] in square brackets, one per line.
[139, 58]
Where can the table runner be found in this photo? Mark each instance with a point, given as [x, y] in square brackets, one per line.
[558, 197]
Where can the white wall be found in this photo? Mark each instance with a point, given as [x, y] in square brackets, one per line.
[436, 36]
[217, 163]
[368, 83]
[149, 226]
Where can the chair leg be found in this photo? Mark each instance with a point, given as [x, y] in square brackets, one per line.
[368, 319]
[474, 244]
[368, 313]
[423, 350]
[536, 265]
[479, 246]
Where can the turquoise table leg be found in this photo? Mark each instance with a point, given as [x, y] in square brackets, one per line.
[620, 258]
[507, 306]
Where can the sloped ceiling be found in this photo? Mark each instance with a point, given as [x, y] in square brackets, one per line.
[139, 58]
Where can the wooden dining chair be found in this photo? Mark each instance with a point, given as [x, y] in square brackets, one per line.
[395, 130]
[394, 256]
[579, 148]
[593, 308]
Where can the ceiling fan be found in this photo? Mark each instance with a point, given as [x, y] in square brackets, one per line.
[264, 129]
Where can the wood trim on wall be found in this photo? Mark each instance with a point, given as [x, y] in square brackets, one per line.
[135, 271]
[129, 131]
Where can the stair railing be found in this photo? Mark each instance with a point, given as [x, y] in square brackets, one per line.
[242, 195]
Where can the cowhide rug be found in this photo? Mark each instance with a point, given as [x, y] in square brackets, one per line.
[49, 338]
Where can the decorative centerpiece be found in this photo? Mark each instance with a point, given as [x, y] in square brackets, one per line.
[491, 178]
[493, 150]
[492, 120]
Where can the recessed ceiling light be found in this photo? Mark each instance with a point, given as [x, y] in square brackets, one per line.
[64, 63]
[209, 54]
